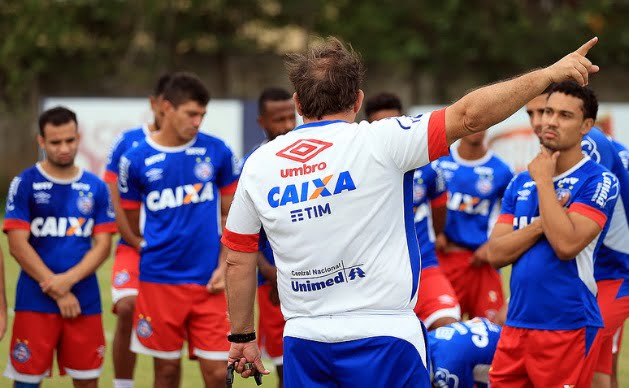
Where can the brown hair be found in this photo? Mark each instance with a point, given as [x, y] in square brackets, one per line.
[326, 78]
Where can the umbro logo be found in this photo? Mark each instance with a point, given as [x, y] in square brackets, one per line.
[303, 150]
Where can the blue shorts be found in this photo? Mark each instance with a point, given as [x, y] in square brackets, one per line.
[368, 362]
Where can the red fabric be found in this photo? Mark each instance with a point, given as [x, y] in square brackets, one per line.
[505, 219]
[108, 227]
[598, 216]
[79, 342]
[125, 273]
[240, 242]
[110, 177]
[440, 201]
[12, 223]
[478, 288]
[437, 143]
[435, 294]
[230, 189]
[614, 311]
[191, 313]
[130, 205]
[270, 324]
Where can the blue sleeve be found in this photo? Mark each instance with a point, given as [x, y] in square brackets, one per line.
[598, 197]
[228, 169]
[435, 183]
[104, 210]
[509, 197]
[18, 206]
[115, 153]
[129, 184]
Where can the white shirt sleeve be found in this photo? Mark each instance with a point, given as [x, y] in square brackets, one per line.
[243, 222]
[412, 142]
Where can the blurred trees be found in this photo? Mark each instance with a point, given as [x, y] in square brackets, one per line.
[98, 41]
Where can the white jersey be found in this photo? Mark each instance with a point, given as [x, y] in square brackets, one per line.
[336, 202]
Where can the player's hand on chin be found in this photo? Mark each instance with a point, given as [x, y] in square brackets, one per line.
[69, 306]
[217, 281]
[542, 167]
[244, 353]
[57, 285]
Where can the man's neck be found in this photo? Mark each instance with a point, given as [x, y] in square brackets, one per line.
[349, 116]
[59, 172]
[167, 138]
[471, 152]
[568, 159]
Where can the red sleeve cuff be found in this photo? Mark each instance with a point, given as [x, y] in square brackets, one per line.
[594, 214]
[240, 242]
[110, 177]
[440, 201]
[12, 224]
[107, 227]
[230, 189]
[127, 204]
[505, 219]
[437, 144]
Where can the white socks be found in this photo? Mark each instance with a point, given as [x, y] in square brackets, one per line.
[123, 383]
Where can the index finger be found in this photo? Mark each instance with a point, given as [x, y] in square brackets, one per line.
[583, 50]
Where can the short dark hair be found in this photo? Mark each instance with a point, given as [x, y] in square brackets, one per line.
[183, 87]
[56, 116]
[272, 94]
[382, 101]
[585, 94]
[327, 78]
[160, 86]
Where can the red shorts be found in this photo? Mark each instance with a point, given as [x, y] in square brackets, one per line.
[125, 273]
[437, 298]
[79, 342]
[543, 358]
[614, 311]
[166, 314]
[270, 326]
[478, 288]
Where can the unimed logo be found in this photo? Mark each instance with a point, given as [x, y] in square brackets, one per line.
[303, 150]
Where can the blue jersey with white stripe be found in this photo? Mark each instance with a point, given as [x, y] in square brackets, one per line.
[461, 353]
[428, 184]
[474, 190]
[612, 261]
[179, 190]
[62, 216]
[548, 293]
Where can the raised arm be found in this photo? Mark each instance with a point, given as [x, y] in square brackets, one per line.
[489, 105]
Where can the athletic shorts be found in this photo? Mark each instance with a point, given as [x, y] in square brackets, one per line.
[478, 288]
[270, 326]
[124, 274]
[437, 298]
[368, 362]
[543, 358]
[166, 314]
[79, 343]
[613, 300]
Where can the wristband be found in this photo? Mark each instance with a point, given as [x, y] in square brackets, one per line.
[241, 338]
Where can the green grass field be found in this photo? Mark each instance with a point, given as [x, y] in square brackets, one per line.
[144, 369]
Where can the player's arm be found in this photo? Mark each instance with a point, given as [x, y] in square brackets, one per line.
[489, 105]
[130, 235]
[60, 284]
[132, 217]
[3, 299]
[217, 280]
[567, 232]
[505, 246]
[268, 270]
[26, 256]
[241, 289]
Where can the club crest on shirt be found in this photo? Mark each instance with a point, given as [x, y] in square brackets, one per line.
[121, 278]
[203, 169]
[21, 352]
[144, 328]
[484, 185]
[85, 203]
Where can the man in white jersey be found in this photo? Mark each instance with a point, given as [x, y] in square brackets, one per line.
[341, 226]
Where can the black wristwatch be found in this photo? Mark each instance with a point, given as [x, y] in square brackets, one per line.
[241, 338]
